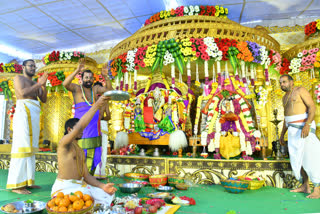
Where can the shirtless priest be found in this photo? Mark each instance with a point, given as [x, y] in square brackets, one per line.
[303, 144]
[73, 173]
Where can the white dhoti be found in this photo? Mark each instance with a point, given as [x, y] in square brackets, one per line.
[304, 152]
[25, 142]
[69, 186]
[100, 171]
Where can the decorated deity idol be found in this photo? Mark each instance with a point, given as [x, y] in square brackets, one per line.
[166, 124]
[138, 118]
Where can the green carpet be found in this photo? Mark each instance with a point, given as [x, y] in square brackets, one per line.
[210, 199]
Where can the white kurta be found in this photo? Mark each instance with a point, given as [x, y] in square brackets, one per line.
[69, 186]
[100, 171]
[304, 152]
[25, 143]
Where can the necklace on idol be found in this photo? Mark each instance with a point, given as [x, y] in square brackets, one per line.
[85, 98]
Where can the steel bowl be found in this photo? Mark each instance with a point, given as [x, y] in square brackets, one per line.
[117, 95]
[130, 187]
[165, 188]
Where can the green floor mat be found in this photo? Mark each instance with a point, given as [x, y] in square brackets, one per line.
[210, 199]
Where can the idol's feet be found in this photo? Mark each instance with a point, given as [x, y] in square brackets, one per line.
[303, 188]
[22, 191]
[315, 194]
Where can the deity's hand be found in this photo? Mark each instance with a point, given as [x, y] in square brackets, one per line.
[109, 188]
[81, 65]
[104, 71]
[305, 131]
[43, 79]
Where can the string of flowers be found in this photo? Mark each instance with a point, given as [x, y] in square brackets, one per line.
[55, 56]
[312, 27]
[208, 48]
[317, 93]
[10, 68]
[192, 10]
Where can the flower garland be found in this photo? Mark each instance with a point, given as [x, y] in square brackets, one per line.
[312, 27]
[317, 93]
[11, 112]
[55, 56]
[261, 96]
[10, 68]
[191, 10]
[190, 49]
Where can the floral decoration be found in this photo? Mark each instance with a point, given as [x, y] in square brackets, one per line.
[181, 51]
[312, 27]
[10, 68]
[192, 10]
[317, 93]
[55, 56]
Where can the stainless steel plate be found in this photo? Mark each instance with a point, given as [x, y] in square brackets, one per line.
[117, 95]
[37, 207]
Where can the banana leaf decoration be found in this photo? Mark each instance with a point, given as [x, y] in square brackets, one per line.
[120, 74]
[233, 52]
[174, 49]
[161, 49]
[6, 90]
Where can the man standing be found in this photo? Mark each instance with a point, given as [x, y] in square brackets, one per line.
[303, 144]
[26, 128]
[73, 174]
[84, 95]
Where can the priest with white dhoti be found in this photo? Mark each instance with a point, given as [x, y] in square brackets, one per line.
[303, 144]
[26, 129]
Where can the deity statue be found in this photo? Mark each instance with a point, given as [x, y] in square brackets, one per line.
[166, 124]
[138, 118]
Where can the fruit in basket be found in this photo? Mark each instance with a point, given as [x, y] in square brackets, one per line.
[70, 202]
[138, 210]
[153, 209]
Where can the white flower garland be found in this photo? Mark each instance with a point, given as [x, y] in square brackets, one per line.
[263, 93]
[168, 58]
[295, 64]
[130, 59]
[317, 92]
[65, 55]
[265, 60]
[212, 48]
[191, 10]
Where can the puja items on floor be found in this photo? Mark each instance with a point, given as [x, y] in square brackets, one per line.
[74, 202]
[137, 205]
[254, 181]
[28, 206]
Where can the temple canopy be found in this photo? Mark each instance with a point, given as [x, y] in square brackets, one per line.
[31, 28]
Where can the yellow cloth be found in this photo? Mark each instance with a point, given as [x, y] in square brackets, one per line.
[229, 146]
